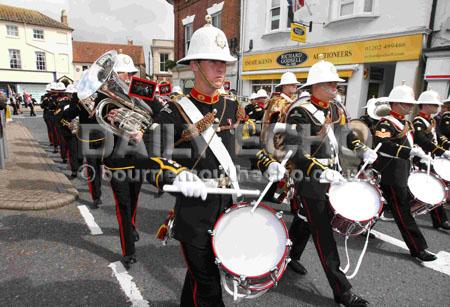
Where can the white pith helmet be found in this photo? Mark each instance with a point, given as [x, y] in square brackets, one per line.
[321, 72]
[288, 78]
[252, 96]
[124, 63]
[208, 43]
[177, 90]
[377, 106]
[261, 93]
[48, 87]
[402, 93]
[71, 89]
[57, 86]
[430, 97]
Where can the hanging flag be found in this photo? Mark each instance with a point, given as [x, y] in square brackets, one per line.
[295, 5]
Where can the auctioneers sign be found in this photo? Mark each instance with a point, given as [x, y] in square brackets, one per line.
[393, 49]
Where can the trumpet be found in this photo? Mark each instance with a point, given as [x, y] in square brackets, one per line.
[134, 114]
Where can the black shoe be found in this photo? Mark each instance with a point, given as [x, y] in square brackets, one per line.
[74, 175]
[96, 203]
[424, 255]
[127, 261]
[445, 225]
[135, 235]
[297, 267]
[348, 298]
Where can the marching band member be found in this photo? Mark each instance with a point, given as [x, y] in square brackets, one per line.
[45, 104]
[320, 115]
[425, 136]
[207, 57]
[395, 134]
[255, 109]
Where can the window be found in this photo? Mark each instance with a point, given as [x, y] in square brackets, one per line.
[187, 37]
[217, 20]
[12, 30]
[368, 6]
[275, 14]
[346, 7]
[38, 34]
[268, 85]
[40, 60]
[84, 67]
[14, 59]
[163, 57]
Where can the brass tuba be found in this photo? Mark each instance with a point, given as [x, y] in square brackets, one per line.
[134, 114]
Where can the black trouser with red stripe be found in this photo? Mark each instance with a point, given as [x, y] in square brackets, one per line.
[202, 283]
[399, 198]
[319, 225]
[49, 128]
[126, 195]
[74, 157]
[94, 177]
[438, 216]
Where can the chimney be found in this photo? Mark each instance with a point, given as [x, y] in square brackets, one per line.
[64, 17]
[130, 42]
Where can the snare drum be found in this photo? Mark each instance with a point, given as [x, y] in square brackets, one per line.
[251, 249]
[429, 192]
[442, 167]
[356, 206]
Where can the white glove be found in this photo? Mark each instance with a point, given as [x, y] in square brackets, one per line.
[275, 172]
[446, 154]
[190, 185]
[370, 156]
[331, 176]
[418, 152]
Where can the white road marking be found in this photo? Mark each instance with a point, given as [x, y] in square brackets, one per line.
[127, 285]
[441, 264]
[89, 219]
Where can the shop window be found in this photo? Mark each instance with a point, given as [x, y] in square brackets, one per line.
[38, 34]
[267, 85]
[40, 61]
[14, 59]
[12, 30]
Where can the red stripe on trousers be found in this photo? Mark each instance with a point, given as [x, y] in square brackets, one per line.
[119, 220]
[194, 292]
[397, 208]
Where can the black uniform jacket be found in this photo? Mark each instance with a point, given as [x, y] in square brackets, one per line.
[308, 136]
[194, 217]
[443, 129]
[423, 135]
[393, 157]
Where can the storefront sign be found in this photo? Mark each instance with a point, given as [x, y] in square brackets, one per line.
[298, 32]
[291, 58]
[393, 49]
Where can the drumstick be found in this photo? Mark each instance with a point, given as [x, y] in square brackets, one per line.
[428, 164]
[283, 163]
[367, 162]
[175, 189]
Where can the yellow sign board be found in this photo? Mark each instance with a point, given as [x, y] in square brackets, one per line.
[401, 48]
[298, 32]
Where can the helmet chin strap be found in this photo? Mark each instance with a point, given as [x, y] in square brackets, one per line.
[202, 74]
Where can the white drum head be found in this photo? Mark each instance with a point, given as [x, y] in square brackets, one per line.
[249, 244]
[442, 167]
[355, 200]
[426, 188]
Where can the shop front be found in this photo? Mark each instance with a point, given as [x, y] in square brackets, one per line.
[370, 67]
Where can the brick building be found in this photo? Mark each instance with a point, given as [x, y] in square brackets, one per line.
[189, 16]
[85, 53]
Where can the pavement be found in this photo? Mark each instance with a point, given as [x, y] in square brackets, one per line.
[31, 180]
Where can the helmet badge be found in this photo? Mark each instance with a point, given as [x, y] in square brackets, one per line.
[220, 41]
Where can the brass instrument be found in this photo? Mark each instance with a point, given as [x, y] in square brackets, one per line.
[133, 115]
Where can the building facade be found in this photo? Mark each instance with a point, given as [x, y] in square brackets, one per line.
[34, 50]
[437, 53]
[189, 16]
[85, 53]
[373, 44]
[162, 53]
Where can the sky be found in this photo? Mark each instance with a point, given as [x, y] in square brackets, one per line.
[110, 21]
